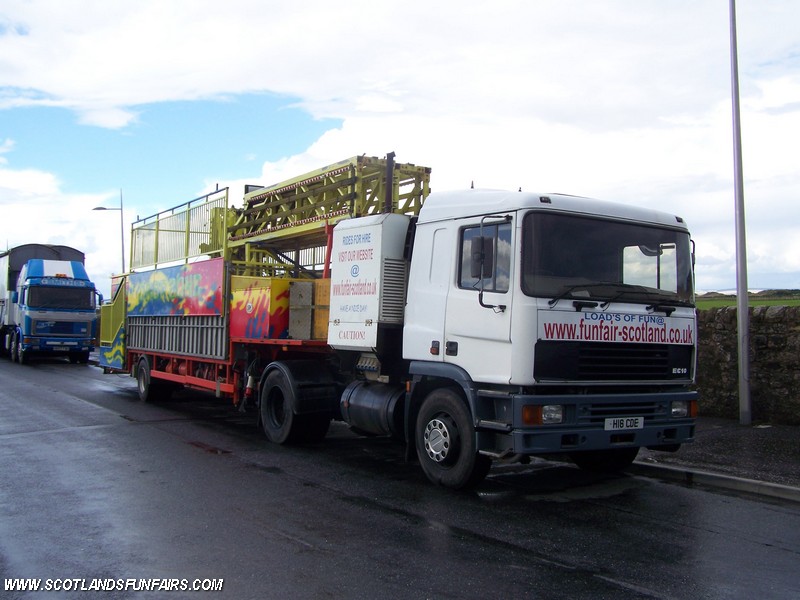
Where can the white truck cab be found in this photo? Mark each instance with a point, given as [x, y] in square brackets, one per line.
[567, 323]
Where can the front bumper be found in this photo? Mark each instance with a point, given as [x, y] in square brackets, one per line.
[585, 416]
[58, 345]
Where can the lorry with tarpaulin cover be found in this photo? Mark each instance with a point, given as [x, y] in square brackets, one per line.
[470, 326]
[47, 303]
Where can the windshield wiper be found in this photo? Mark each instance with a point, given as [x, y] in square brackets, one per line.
[668, 305]
[581, 286]
[552, 302]
[622, 289]
[629, 288]
[667, 310]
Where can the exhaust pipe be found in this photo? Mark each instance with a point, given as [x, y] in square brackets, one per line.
[387, 197]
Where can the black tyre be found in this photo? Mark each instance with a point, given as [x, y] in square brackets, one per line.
[149, 390]
[445, 440]
[277, 400]
[17, 354]
[614, 459]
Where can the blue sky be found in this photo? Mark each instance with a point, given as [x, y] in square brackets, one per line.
[163, 157]
[625, 100]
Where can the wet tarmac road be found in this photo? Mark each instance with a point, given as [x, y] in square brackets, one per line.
[96, 484]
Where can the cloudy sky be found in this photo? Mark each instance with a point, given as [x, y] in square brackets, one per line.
[626, 100]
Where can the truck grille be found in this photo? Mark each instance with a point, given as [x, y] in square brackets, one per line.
[597, 361]
[61, 328]
[592, 414]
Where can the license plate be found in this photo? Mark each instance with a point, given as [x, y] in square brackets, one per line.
[622, 423]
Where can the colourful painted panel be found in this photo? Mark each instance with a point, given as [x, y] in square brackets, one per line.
[193, 289]
[113, 356]
[259, 308]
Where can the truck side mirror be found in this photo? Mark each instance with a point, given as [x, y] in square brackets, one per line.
[482, 251]
[14, 296]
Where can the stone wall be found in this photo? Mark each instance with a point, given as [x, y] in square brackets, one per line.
[774, 365]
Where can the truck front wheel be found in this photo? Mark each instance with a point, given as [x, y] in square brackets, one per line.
[445, 440]
[17, 354]
[12, 348]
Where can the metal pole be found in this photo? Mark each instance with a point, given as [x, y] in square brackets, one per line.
[122, 232]
[742, 309]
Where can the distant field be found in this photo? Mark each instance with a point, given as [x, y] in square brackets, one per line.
[706, 303]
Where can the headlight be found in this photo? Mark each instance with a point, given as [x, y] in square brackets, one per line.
[549, 414]
[680, 408]
[552, 413]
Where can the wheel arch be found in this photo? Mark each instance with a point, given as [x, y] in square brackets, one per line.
[428, 377]
[313, 388]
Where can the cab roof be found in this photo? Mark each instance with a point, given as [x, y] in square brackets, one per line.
[442, 206]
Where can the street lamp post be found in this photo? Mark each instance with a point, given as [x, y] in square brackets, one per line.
[742, 301]
[121, 227]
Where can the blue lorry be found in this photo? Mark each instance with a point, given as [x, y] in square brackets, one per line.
[48, 304]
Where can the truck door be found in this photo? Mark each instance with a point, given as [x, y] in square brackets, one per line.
[429, 282]
[478, 318]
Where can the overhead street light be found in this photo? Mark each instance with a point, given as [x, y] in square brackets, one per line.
[121, 227]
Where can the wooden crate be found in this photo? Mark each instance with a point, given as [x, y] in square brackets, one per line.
[322, 309]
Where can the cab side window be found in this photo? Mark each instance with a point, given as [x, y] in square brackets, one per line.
[496, 251]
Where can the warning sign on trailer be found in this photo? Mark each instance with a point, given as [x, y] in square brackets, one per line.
[359, 248]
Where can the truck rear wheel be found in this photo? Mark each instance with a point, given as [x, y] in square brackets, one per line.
[276, 402]
[614, 459]
[445, 440]
[295, 402]
[149, 390]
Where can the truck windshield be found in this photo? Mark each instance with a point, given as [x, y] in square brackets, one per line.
[60, 297]
[567, 256]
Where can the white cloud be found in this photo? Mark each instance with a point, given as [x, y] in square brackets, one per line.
[17, 186]
[43, 213]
